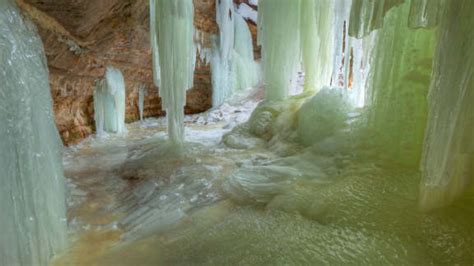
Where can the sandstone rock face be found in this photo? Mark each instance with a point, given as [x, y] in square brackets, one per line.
[82, 37]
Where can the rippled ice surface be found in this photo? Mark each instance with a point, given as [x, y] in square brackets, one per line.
[134, 200]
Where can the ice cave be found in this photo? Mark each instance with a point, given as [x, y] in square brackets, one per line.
[236, 132]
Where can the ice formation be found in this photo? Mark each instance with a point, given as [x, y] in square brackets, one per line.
[232, 61]
[32, 196]
[141, 100]
[448, 155]
[109, 103]
[398, 86]
[155, 53]
[279, 36]
[174, 31]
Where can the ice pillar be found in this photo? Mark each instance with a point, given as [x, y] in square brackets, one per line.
[398, 86]
[175, 31]
[448, 155]
[109, 103]
[279, 35]
[32, 197]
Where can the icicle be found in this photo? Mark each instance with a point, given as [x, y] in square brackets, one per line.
[309, 43]
[232, 63]
[154, 45]
[401, 64]
[141, 100]
[341, 41]
[100, 98]
[425, 13]
[368, 15]
[448, 154]
[324, 24]
[175, 31]
[32, 196]
[244, 66]
[279, 21]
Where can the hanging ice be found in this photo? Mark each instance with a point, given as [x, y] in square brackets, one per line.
[175, 31]
[279, 35]
[368, 15]
[246, 70]
[154, 45]
[448, 154]
[32, 197]
[398, 85]
[141, 100]
[109, 103]
[232, 62]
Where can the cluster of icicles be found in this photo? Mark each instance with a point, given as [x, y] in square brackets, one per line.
[417, 87]
[385, 52]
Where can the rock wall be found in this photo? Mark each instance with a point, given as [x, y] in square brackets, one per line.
[82, 37]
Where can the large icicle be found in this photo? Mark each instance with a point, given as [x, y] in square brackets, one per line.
[279, 35]
[398, 85]
[448, 157]
[155, 53]
[368, 15]
[175, 31]
[32, 196]
[246, 70]
[116, 88]
[141, 100]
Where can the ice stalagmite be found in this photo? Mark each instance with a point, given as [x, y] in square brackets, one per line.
[175, 31]
[32, 197]
[448, 155]
[398, 86]
[141, 100]
[279, 35]
[109, 103]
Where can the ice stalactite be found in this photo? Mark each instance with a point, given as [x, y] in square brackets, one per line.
[448, 155]
[109, 103]
[232, 62]
[317, 44]
[141, 100]
[398, 86]
[279, 35]
[155, 53]
[342, 46]
[368, 15]
[32, 193]
[175, 30]
[247, 71]
[425, 13]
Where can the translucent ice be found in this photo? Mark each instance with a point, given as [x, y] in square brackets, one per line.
[109, 103]
[448, 153]
[32, 197]
[175, 30]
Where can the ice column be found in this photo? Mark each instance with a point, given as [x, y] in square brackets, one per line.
[141, 100]
[109, 103]
[32, 196]
[279, 35]
[222, 53]
[448, 155]
[398, 86]
[247, 71]
[175, 31]
[155, 53]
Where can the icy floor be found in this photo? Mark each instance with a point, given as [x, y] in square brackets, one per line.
[134, 200]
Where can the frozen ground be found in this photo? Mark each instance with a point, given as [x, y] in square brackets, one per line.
[135, 200]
